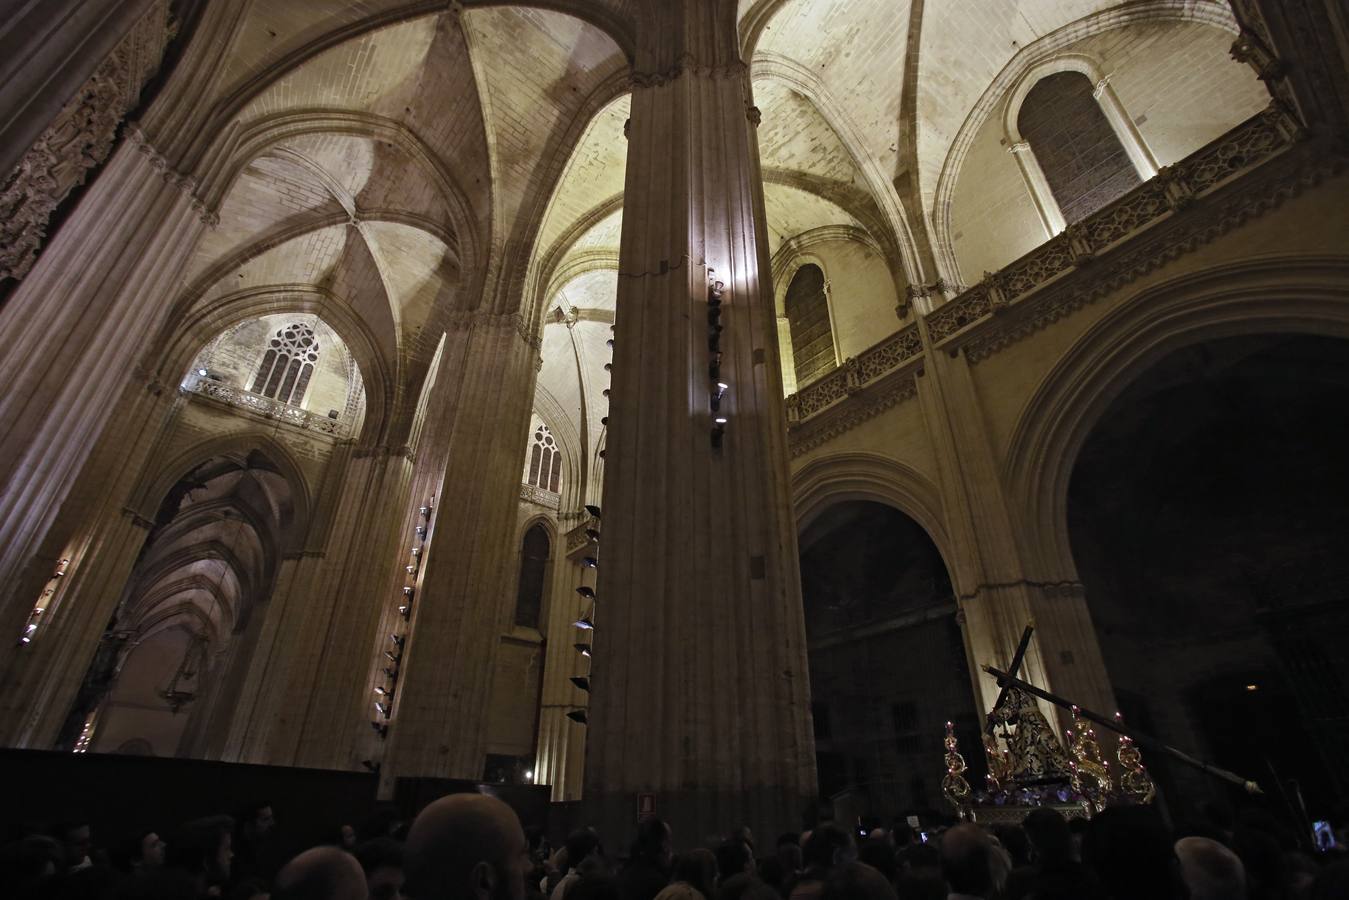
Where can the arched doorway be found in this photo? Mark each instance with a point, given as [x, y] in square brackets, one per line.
[1208, 513]
[177, 647]
[887, 661]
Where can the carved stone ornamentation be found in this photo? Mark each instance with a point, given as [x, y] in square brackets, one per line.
[79, 139]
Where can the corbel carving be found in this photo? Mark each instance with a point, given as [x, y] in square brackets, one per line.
[80, 138]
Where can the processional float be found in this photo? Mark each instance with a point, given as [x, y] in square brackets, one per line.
[1029, 767]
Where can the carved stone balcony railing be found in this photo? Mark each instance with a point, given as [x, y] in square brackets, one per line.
[1172, 191]
[532, 494]
[883, 372]
[1184, 206]
[264, 406]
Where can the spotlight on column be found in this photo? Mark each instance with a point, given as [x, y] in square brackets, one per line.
[391, 672]
[380, 729]
[593, 510]
[585, 623]
[586, 591]
[425, 511]
[590, 562]
[202, 372]
[411, 568]
[421, 531]
[718, 432]
[408, 592]
[392, 657]
[383, 691]
[405, 610]
[581, 682]
[583, 649]
[372, 766]
[383, 710]
[578, 716]
[593, 534]
[416, 551]
[715, 290]
[398, 640]
[529, 776]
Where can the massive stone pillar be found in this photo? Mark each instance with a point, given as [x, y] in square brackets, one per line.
[999, 587]
[560, 754]
[700, 689]
[477, 430]
[76, 332]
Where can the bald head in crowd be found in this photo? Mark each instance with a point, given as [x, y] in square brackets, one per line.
[967, 861]
[324, 873]
[466, 847]
[1210, 870]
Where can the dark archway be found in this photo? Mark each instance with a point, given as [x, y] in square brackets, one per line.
[1208, 512]
[887, 661]
[173, 655]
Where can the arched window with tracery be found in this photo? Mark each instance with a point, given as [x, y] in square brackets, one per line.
[807, 308]
[1083, 159]
[288, 364]
[533, 571]
[545, 461]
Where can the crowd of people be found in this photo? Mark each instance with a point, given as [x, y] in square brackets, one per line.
[472, 846]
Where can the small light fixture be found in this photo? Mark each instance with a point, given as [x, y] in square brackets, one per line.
[529, 776]
[583, 649]
[581, 682]
[421, 531]
[1252, 687]
[391, 672]
[411, 568]
[383, 710]
[586, 591]
[593, 534]
[590, 562]
[425, 511]
[720, 420]
[416, 551]
[202, 372]
[398, 640]
[381, 729]
[393, 658]
[593, 510]
[405, 610]
[408, 592]
[585, 623]
[382, 690]
[577, 715]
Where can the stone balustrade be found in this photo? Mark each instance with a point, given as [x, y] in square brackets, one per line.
[264, 406]
[973, 320]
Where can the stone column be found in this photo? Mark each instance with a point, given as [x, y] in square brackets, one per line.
[998, 591]
[101, 536]
[561, 744]
[700, 687]
[477, 431]
[304, 700]
[75, 330]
